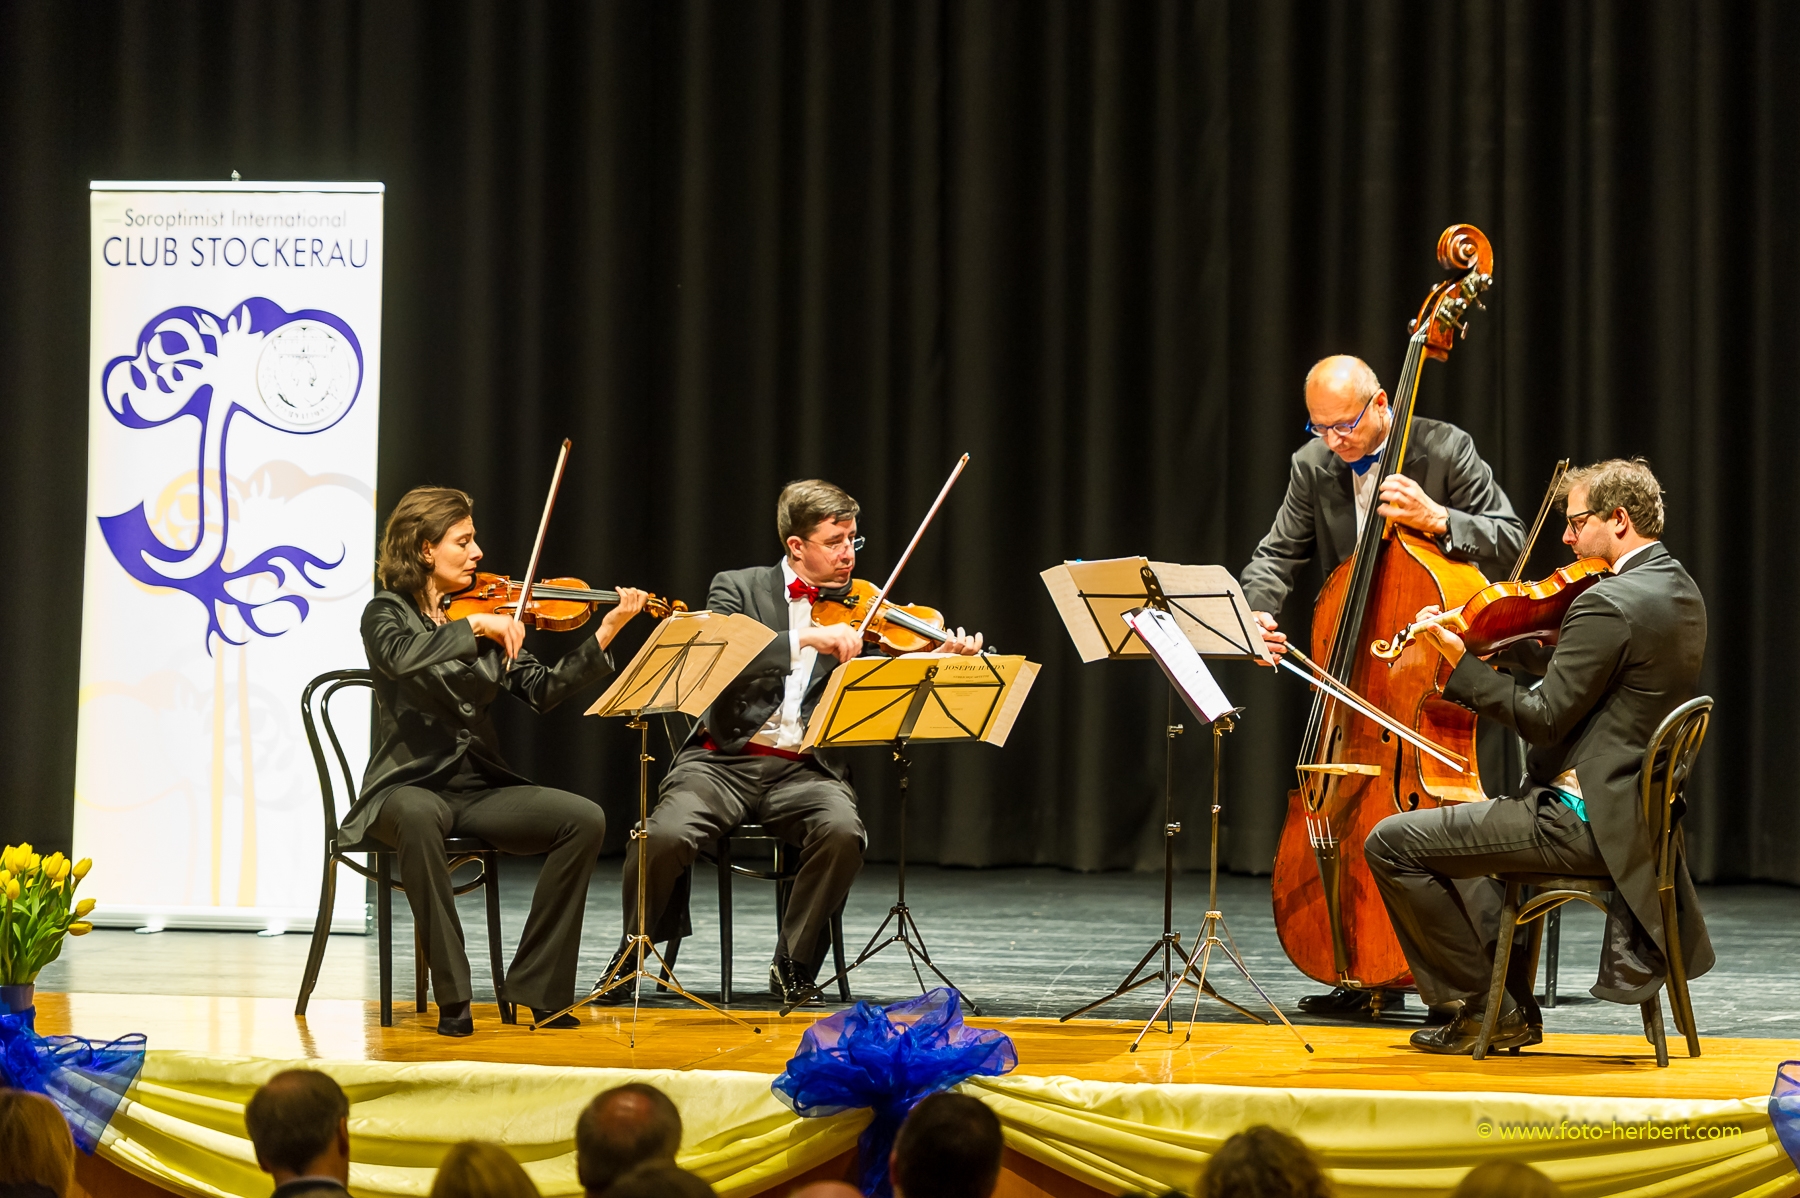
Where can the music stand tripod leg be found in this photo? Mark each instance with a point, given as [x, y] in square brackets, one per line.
[906, 929]
[638, 945]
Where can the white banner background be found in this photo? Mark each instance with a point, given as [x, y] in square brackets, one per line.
[238, 327]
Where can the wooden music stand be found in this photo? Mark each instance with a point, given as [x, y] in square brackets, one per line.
[687, 660]
[1208, 608]
[895, 701]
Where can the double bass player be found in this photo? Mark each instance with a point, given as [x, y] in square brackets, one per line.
[1444, 491]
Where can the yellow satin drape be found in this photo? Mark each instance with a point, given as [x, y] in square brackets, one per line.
[182, 1126]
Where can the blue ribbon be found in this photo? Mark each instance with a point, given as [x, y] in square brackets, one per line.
[888, 1059]
[85, 1079]
[1784, 1107]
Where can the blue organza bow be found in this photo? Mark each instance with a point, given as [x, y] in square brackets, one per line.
[1784, 1107]
[888, 1059]
[87, 1080]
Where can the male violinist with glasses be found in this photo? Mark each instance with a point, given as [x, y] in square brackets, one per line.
[1628, 653]
[1444, 491]
[744, 763]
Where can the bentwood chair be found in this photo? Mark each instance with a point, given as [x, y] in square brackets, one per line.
[1662, 785]
[781, 869]
[461, 850]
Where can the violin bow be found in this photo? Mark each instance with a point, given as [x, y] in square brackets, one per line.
[1556, 477]
[911, 545]
[537, 547]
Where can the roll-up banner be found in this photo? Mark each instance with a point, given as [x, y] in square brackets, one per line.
[234, 370]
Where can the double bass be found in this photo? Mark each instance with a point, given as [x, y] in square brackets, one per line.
[1380, 737]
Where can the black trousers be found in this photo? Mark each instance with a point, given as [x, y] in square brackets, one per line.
[1432, 869]
[707, 793]
[521, 820]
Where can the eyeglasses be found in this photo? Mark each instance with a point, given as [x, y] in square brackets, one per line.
[1342, 430]
[854, 545]
[1578, 519]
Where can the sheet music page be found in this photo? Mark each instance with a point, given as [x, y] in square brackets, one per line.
[1093, 597]
[1181, 662]
[1209, 606]
[971, 698]
[684, 663]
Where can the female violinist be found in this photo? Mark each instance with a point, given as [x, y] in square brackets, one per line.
[435, 768]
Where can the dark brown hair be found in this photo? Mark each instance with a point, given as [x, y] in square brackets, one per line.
[294, 1117]
[422, 517]
[659, 1179]
[35, 1145]
[949, 1147]
[808, 503]
[1505, 1179]
[1263, 1162]
[1620, 483]
[478, 1169]
[622, 1127]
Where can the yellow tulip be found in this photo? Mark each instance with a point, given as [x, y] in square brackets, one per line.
[15, 857]
[36, 863]
[5, 877]
[80, 929]
[82, 866]
[12, 891]
[53, 862]
[83, 907]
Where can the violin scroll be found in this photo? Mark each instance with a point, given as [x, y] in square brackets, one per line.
[1445, 311]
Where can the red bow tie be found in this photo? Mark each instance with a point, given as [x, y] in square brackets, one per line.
[802, 589]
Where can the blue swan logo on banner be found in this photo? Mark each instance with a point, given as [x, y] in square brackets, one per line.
[297, 372]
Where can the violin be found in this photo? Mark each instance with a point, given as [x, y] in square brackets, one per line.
[897, 627]
[1507, 612]
[555, 605]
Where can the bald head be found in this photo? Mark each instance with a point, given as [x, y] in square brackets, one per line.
[621, 1128]
[1342, 390]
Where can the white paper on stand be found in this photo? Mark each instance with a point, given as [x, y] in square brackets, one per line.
[1180, 661]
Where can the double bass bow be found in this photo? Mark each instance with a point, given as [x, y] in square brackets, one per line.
[1380, 738]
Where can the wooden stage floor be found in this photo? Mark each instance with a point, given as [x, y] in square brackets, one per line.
[1371, 1058]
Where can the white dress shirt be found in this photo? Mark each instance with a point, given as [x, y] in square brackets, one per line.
[1566, 781]
[785, 729]
[1364, 486]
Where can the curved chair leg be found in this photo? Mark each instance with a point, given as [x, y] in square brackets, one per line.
[723, 856]
[490, 869]
[1653, 1029]
[837, 954]
[1681, 1002]
[384, 926]
[421, 971]
[315, 953]
[1552, 949]
[1490, 1018]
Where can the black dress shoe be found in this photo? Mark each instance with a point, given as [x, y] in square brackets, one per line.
[792, 983]
[454, 1019]
[1346, 1001]
[540, 1018]
[618, 994]
[1457, 1038]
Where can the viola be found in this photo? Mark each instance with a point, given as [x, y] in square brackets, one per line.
[897, 627]
[555, 604]
[1507, 612]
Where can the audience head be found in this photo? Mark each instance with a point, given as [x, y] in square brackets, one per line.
[949, 1147]
[478, 1169]
[36, 1149]
[621, 1128]
[1505, 1179]
[299, 1123]
[658, 1178]
[1261, 1162]
[826, 1189]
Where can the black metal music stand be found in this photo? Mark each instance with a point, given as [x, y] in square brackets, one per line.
[894, 701]
[1209, 608]
[685, 663]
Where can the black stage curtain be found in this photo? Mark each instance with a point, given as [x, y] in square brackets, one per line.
[1096, 245]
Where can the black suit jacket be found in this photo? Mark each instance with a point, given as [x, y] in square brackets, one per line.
[746, 704]
[1629, 652]
[1319, 512]
[310, 1187]
[433, 687]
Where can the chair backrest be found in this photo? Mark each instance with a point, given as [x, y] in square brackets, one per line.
[1662, 783]
[333, 682]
